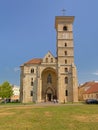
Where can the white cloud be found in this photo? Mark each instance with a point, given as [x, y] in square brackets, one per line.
[95, 73]
[16, 69]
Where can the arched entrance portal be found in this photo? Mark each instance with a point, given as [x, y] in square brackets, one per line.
[49, 94]
[49, 84]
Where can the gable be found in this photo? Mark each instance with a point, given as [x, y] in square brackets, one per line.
[49, 58]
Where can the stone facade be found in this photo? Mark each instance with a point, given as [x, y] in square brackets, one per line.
[48, 78]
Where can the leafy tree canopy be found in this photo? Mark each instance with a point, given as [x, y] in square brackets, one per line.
[6, 90]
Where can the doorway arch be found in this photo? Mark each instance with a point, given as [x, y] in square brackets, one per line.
[49, 84]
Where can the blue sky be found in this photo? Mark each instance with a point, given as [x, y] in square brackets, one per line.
[27, 31]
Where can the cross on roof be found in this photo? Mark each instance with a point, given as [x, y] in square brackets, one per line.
[63, 11]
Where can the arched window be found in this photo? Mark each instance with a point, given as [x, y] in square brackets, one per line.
[65, 28]
[66, 69]
[49, 78]
[32, 70]
[65, 52]
[66, 80]
[65, 44]
[65, 61]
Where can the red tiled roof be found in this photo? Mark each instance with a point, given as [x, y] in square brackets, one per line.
[87, 84]
[34, 61]
[93, 88]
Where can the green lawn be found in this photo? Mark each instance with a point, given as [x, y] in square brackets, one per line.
[43, 117]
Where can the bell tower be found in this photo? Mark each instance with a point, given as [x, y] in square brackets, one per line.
[67, 75]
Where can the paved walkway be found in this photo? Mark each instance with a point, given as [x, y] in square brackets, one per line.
[39, 104]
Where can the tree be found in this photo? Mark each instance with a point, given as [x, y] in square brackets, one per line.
[6, 90]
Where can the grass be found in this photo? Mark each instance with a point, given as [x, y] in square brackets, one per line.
[44, 117]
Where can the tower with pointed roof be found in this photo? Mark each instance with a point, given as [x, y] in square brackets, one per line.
[49, 78]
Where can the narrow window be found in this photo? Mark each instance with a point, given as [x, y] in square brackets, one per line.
[31, 93]
[65, 52]
[32, 83]
[66, 80]
[46, 59]
[49, 79]
[32, 70]
[66, 92]
[51, 59]
[65, 61]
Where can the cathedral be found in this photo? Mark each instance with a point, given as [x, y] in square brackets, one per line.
[52, 78]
